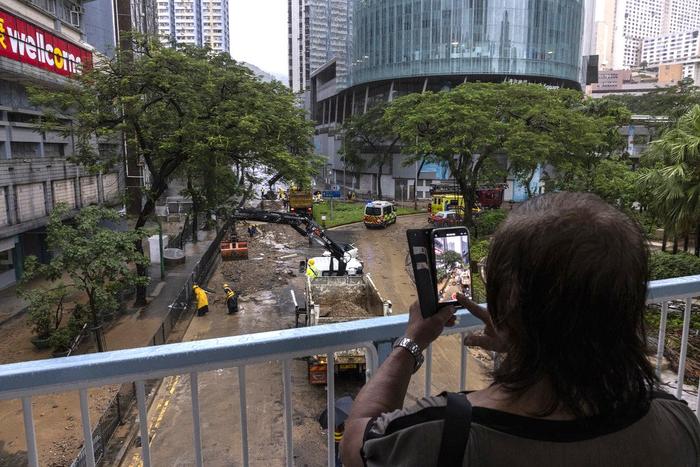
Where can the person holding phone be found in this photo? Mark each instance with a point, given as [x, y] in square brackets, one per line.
[566, 288]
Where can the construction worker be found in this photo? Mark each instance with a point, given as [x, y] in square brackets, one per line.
[202, 300]
[311, 270]
[338, 437]
[231, 299]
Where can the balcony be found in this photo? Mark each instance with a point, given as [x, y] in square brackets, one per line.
[24, 381]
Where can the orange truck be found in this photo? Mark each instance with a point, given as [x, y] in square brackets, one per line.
[337, 299]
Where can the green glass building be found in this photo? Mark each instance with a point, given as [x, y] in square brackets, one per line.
[533, 40]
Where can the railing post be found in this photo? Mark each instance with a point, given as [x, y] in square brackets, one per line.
[87, 429]
[330, 406]
[244, 414]
[288, 413]
[684, 347]
[196, 422]
[662, 337]
[384, 348]
[32, 457]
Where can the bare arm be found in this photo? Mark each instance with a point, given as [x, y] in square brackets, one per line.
[386, 391]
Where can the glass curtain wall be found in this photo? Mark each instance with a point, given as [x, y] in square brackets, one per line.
[517, 38]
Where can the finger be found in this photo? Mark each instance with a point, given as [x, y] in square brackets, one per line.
[475, 309]
[444, 314]
[451, 322]
[479, 340]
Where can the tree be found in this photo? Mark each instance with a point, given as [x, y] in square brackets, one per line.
[372, 133]
[672, 102]
[95, 259]
[476, 127]
[449, 261]
[674, 179]
[185, 112]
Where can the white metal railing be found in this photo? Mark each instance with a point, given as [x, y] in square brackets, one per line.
[29, 379]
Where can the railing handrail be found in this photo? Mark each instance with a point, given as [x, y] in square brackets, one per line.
[83, 371]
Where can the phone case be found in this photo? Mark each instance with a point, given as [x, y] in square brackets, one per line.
[421, 252]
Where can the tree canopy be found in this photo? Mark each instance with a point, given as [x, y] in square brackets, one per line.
[481, 131]
[188, 113]
[90, 259]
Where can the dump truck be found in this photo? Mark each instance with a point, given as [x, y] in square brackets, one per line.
[301, 202]
[337, 299]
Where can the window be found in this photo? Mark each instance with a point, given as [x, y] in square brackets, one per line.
[54, 150]
[22, 150]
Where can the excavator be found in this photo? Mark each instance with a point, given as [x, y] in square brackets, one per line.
[340, 259]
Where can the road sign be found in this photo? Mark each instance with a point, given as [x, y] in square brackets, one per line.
[331, 194]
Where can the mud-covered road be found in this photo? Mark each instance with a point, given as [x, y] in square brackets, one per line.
[265, 281]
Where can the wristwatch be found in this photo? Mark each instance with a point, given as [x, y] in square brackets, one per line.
[413, 349]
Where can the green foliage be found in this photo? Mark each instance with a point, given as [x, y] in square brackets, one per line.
[469, 128]
[672, 180]
[665, 265]
[185, 112]
[371, 133]
[95, 260]
[45, 307]
[448, 261]
[479, 249]
[488, 221]
[671, 102]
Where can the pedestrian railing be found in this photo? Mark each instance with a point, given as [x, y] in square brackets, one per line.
[27, 380]
[121, 403]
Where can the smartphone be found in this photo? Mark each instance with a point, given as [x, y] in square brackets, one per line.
[451, 264]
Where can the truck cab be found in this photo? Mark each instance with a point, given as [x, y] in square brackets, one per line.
[379, 214]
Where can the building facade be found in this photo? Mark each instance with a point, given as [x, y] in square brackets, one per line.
[405, 46]
[197, 22]
[40, 44]
[625, 24]
[319, 31]
[669, 52]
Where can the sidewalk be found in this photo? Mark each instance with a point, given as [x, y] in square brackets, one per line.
[137, 329]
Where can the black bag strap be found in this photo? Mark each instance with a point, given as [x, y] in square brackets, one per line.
[455, 434]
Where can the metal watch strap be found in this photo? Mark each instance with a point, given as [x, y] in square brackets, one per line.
[413, 349]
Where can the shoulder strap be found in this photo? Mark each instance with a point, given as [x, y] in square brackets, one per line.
[455, 434]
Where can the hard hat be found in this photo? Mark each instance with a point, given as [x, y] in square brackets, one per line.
[194, 286]
[226, 286]
[312, 262]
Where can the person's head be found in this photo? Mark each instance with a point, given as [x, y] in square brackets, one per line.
[195, 286]
[312, 262]
[566, 283]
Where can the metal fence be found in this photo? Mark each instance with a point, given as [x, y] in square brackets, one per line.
[126, 395]
[139, 366]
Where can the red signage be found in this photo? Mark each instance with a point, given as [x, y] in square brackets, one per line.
[35, 46]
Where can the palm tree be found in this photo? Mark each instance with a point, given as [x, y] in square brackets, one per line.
[674, 182]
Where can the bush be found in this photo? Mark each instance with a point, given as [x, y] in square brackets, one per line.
[665, 265]
[480, 250]
[488, 221]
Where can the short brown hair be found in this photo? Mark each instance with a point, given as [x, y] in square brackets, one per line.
[566, 281]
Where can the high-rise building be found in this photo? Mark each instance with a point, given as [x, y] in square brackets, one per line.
[405, 46]
[198, 22]
[319, 32]
[681, 48]
[626, 23]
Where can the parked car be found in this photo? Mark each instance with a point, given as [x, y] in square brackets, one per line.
[445, 218]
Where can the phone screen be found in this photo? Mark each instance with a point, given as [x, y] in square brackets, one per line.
[451, 252]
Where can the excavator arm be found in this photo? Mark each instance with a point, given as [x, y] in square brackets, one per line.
[303, 225]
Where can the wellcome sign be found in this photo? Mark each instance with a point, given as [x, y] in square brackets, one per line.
[26, 43]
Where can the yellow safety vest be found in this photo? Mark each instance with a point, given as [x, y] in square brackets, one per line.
[229, 293]
[311, 272]
[338, 435]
